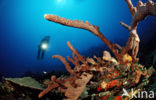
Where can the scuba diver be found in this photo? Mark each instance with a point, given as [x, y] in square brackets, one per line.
[43, 47]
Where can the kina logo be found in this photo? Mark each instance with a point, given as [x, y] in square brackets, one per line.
[125, 93]
[138, 94]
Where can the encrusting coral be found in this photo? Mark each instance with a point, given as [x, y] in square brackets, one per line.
[105, 77]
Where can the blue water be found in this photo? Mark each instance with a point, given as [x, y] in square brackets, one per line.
[22, 26]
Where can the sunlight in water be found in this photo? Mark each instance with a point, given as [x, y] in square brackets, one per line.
[59, 0]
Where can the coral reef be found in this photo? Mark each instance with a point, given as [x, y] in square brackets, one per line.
[26, 82]
[103, 78]
[25, 88]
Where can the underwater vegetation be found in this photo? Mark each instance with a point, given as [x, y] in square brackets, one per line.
[103, 78]
[97, 78]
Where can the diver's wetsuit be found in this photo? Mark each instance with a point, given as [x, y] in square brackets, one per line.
[41, 51]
